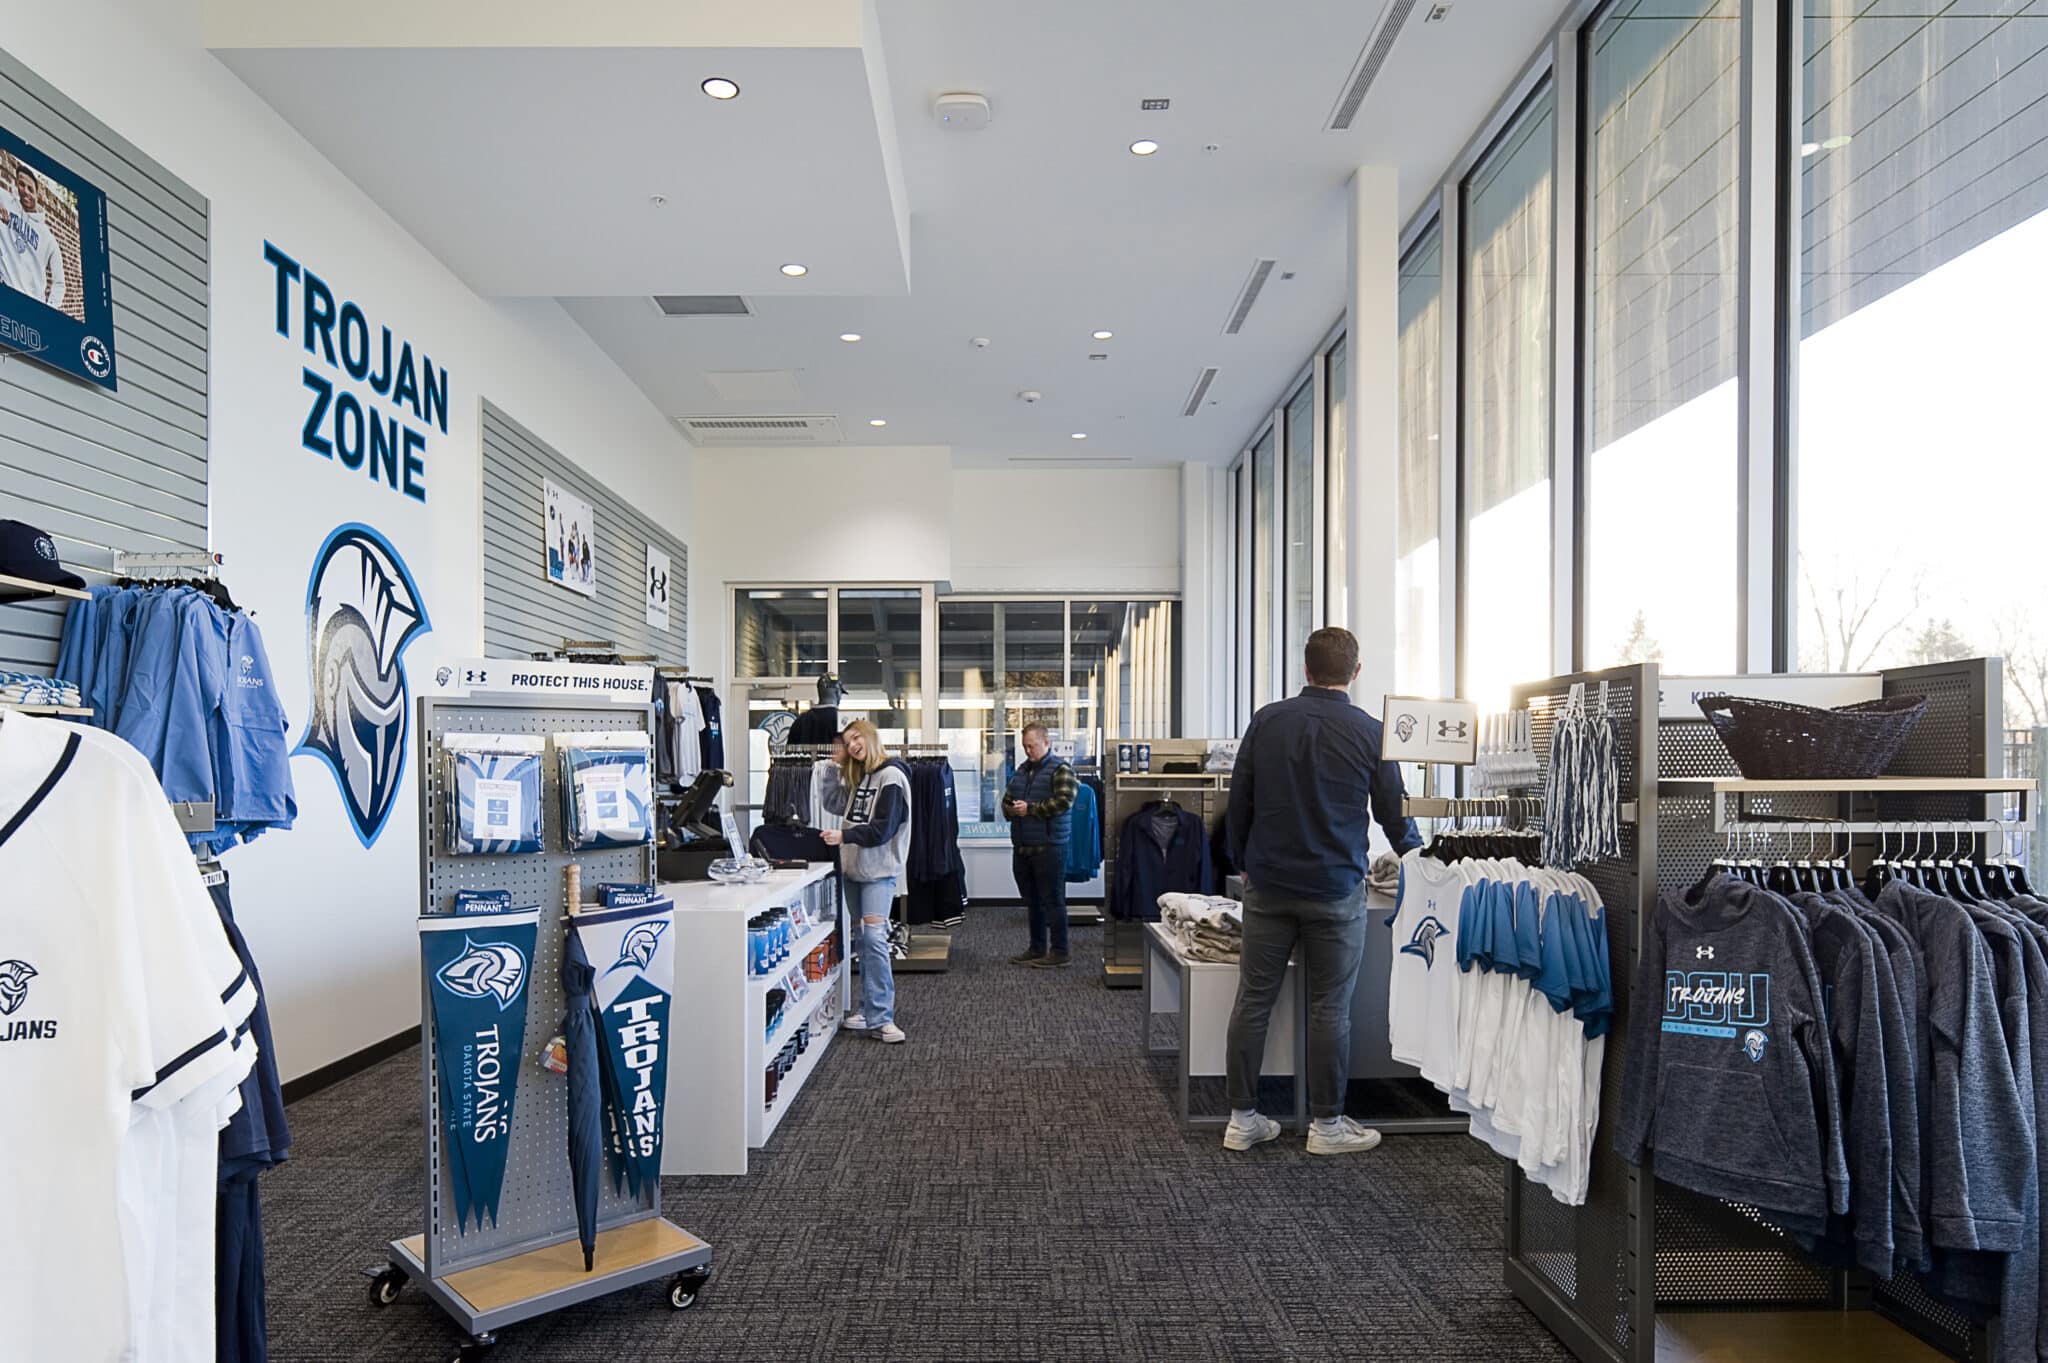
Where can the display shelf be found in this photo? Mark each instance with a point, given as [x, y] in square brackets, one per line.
[720, 1078]
[37, 590]
[796, 1012]
[803, 947]
[56, 711]
[793, 1084]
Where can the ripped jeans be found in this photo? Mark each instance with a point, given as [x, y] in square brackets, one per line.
[870, 901]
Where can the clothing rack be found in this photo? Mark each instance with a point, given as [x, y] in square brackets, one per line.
[931, 951]
[166, 567]
[1207, 793]
[1599, 1274]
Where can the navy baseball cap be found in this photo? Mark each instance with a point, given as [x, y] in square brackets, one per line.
[27, 552]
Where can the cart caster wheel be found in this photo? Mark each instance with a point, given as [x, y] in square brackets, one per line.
[385, 1286]
[478, 1348]
[684, 1287]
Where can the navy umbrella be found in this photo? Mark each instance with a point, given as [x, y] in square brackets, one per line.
[586, 1104]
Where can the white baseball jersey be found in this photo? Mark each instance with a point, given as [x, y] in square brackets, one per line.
[115, 988]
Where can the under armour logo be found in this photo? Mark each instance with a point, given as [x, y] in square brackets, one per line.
[1703, 953]
[1450, 729]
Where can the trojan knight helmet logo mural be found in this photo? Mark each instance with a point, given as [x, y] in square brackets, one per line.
[362, 610]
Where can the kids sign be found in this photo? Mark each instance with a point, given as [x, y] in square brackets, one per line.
[371, 400]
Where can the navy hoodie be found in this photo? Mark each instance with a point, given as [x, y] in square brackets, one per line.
[1729, 1077]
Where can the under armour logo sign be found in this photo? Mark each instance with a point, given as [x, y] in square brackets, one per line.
[1703, 953]
[1450, 729]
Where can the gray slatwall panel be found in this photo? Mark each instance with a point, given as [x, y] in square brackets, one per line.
[109, 471]
[524, 613]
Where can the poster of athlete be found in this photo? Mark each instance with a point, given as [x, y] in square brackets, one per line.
[56, 295]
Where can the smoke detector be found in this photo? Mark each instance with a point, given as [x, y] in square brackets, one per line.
[961, 111]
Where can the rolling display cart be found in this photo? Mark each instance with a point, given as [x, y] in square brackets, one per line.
[529, 1262]
[1600, 1275]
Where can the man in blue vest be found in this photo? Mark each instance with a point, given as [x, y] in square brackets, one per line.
[1039, 804]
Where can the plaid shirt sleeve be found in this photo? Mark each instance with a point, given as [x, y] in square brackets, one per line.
[1063, 785]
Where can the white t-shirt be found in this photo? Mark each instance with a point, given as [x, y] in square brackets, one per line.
[113, 967]
[29, 260]
[1422, 983]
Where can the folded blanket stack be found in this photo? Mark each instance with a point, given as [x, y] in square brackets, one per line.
[1206, 927]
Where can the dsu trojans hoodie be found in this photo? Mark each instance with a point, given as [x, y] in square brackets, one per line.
[1729, 1077]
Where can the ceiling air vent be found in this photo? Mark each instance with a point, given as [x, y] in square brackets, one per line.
[1372, 59]
[1200, 391]
[703, 305]
[1060, 461]
[1249, 295]
[760, 430]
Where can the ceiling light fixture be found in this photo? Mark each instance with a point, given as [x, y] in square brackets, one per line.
[1104, 335]
[1836, 143]
[1144, 146]
[1078, 435]
[796, 271]
[1810, 149]
[718, 87]
[849, 336]
[877, 421]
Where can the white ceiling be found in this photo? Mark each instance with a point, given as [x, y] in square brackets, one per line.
[1032, 233]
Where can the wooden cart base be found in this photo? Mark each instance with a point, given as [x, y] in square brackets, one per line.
[491, 1296]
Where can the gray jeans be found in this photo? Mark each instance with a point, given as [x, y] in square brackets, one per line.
[1332, 938]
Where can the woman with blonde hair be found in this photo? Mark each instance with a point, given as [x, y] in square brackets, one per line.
[873, 844]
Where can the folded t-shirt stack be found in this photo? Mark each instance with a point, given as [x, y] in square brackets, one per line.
[1205, 927]
[27, 688]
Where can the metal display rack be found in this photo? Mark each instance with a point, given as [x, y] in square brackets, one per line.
[1598, 1275]
[529, 1262]
[1123, 794]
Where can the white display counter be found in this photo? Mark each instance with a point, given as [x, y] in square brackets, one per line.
[718, 1100]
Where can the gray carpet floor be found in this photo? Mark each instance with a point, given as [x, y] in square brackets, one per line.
[1010, 1185]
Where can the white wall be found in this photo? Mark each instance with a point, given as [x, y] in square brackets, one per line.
[329, 920]
[1067, 530]
[843, 514]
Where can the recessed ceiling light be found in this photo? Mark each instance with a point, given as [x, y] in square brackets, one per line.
[877, 421]
[718, 87]
[1078, 435]
[1104, 335]
[849, 336]
[796, 271]
[1144, 146]
[1809, 149]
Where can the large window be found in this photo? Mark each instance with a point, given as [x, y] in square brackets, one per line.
[782, 631]
[1506, 397]
[1336, 512]
[1922, 234]
[1418, 572]
[881, 635]
[1663, 105]
[1265, 506]
[1300, 532]
[1093, 671]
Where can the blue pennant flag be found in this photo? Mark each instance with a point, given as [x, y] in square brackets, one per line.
[631, 949]
[478, 966]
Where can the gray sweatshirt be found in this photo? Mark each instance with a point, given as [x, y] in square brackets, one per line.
[1729, 1076]
[1979, 1137]
[1898, 992]
[877, 828]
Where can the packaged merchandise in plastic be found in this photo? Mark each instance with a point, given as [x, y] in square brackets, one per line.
[607, 788]
[493, 798]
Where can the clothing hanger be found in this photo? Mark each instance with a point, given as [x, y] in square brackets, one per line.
[1881, 871]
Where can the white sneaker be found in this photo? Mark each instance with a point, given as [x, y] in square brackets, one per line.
[890, 1034]
[854, 1022]
[1348, 1137]
[1257, 1131]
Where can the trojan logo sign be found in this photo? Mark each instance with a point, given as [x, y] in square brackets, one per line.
[362, 610]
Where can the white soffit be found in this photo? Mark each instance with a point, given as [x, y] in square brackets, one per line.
[527, 145]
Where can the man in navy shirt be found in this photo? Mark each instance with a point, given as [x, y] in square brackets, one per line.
[1307, 785]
